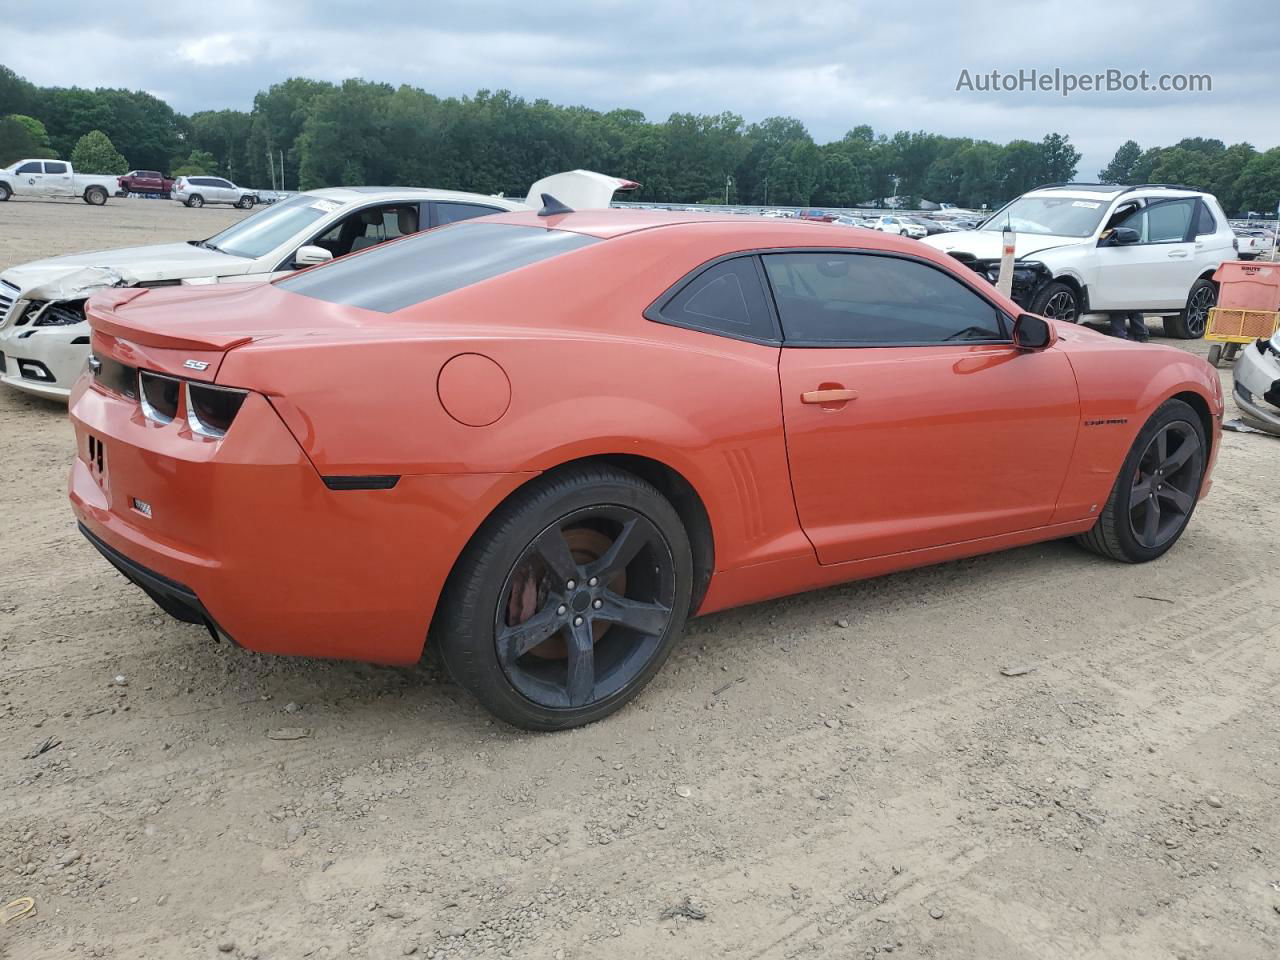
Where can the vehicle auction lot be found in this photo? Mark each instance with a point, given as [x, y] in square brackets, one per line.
[834, 774]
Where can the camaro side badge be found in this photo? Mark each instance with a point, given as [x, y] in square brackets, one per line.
[1111, 422]
[196, 365]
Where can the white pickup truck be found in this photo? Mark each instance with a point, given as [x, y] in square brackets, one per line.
[47, 179]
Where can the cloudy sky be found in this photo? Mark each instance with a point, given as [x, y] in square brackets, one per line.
[831, 64]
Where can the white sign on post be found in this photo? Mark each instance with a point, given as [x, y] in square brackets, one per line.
[1004, 279]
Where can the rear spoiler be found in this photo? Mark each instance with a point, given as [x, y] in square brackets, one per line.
[579, 189]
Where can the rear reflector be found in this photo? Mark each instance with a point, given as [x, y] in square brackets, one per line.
[374, 481]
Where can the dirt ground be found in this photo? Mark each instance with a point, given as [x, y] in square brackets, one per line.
[842, 774]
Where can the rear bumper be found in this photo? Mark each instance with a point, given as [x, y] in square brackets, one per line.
[243, 535]
[175, 599]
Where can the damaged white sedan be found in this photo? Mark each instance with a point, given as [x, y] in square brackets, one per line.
[44, 338]
[1257, 391]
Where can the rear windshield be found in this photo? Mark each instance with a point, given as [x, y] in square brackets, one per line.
[396, 275]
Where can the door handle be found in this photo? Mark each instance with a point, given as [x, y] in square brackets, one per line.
[1177, 255]
[829, 395]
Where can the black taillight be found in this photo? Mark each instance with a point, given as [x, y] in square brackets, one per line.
[115, 376]
[210, 410]
[159, 396]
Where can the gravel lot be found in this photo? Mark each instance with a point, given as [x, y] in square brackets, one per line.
[841, 774]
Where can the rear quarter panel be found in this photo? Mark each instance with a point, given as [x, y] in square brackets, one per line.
[1121, 386]
[588, 375]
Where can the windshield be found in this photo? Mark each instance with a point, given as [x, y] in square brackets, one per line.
[258, 235]
[1051, 216]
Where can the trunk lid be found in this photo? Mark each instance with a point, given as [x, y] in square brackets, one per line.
[579, 189]
[187, 331]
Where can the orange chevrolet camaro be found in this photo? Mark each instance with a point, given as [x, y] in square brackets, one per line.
[545, 440]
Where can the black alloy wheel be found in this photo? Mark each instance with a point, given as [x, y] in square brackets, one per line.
[568, 599]
[1166, 484]
[1155, 493]
[1193, 321]
[585, 606]
[1057, 301]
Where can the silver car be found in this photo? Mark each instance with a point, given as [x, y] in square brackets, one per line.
[197, 191]
[1257, 391]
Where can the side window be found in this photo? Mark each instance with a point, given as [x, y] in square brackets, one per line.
[1205, 224]
[369, 227]
[453, 212]
[226, 184]
[867, 300]
[726, 298]
[1168, 222]
[1136, 220]
[32, 167]
[55, 168]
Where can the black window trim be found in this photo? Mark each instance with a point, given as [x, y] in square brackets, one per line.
[653, 312]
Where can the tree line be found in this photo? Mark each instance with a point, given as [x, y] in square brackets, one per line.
[1242, 178]
[303, 133]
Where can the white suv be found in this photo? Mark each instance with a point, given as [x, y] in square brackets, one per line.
[1106, 248]
[197, 191]
[899, 225]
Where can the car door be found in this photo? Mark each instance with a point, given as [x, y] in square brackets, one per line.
[1154, 273]
[29, 179]
[57, 179]
[911, 419]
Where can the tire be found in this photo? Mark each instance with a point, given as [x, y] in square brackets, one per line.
[1215, 354]
[1057, 301]
[195, 200]
[1116, 534]
[95, 196]
[5, 192]
[1191, 323]
[511, 629]
[245, 203]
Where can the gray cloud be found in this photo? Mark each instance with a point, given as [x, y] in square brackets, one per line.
[831, 64]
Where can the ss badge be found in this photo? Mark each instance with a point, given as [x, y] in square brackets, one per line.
[196, 365]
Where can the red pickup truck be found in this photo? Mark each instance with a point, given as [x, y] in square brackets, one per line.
[146, 181]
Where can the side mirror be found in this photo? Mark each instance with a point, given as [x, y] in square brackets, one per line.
[309, 256]
[1123, 236]
[1032, 333]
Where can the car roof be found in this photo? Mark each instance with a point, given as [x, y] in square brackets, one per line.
[753, 232]
[353, 194]
[1109, 191]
